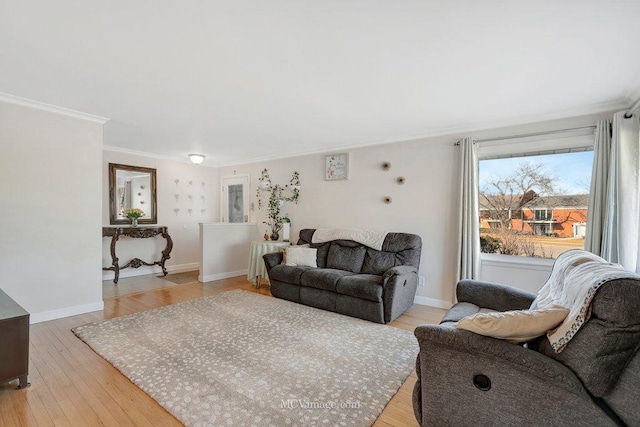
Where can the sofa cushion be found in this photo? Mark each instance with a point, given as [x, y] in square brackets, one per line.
[306, 235]
[462, 309]
[285, 290]
[624, 397]
[323, 252]
[514, 325]
[287, 273]
[346, 255]
[377, 262]
[365, 286]
[322, 278]
[361, 308]
[318, 298]
[406, 246]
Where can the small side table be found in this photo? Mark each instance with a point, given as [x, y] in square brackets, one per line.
[257, 269]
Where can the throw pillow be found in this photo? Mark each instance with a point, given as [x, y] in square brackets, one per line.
[514, 326]
[298, 256]
[346, 257]
[284, 252]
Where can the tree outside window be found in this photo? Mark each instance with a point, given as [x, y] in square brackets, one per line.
[534, 206]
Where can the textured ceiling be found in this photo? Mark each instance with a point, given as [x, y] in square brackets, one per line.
[248, 80]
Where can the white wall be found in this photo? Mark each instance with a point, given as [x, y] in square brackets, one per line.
[183, 226]
[528, 274]
[425, 205]
[50, 211]
[224, 249]
[50, 255]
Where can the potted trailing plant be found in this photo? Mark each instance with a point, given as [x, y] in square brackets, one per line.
[294, 186]
[274, 220]
[277, 197]
[264, 184]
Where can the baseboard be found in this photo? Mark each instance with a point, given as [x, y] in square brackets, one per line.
[44, 316]
[432, 302]
[220, 276]
[144, 270]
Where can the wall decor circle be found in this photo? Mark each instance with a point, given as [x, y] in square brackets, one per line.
[385, 166]
[400, 180]
[386, 200]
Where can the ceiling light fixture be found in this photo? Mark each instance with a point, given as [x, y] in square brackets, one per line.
[197, 158]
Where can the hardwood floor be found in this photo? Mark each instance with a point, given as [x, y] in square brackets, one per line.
[73, 386]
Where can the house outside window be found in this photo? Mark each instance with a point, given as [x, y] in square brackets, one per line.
[534, 205]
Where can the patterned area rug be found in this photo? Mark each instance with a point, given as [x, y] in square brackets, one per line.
[239, 358]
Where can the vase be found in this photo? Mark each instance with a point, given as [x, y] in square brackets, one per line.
[134, 222]
[275, 235]
[286, 231]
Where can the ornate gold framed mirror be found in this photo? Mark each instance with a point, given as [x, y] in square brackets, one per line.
[132, 187]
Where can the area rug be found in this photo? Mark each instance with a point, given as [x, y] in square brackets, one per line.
[240, 358]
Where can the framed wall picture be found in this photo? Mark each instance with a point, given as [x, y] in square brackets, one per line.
[336, 167]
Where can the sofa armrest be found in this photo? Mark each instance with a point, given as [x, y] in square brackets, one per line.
[493, 296]
[496, 382]
[399, 290]
[501, 351]
[398, 271]
[272, 259]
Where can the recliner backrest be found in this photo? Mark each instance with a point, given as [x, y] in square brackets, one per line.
[397, 249]
[600, 351]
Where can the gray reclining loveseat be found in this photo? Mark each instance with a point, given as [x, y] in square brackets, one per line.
[465, 379]
[351, 278]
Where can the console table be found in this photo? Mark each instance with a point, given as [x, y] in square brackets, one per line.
[136, 233]
[14, 336]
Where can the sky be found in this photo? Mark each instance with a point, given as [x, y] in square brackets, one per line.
[572, 170]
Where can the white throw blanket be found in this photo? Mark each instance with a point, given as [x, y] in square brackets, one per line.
[575, 278]
[371, 238]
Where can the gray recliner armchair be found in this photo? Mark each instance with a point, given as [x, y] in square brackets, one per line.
[468, 379]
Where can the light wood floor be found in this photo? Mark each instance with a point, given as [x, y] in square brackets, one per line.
[73, 386]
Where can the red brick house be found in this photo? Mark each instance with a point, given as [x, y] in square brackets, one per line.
[560, 216]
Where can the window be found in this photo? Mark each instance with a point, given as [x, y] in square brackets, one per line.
[543, 214]
[534, 206]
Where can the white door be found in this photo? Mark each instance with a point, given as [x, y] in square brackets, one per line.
[235, 198]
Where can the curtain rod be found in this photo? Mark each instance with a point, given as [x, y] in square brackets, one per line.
[526, 135]
[633, 108]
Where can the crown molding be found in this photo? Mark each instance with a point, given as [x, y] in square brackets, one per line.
[634, 94]
[12, 99]
[454, 130]
[438, 132]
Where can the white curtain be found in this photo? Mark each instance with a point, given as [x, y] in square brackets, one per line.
[621, 229]
[468, 262]
[599, 182]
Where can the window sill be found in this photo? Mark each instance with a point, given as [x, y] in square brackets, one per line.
[520, 262]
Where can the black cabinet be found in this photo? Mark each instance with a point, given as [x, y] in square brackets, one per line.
[14, 341]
